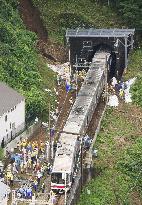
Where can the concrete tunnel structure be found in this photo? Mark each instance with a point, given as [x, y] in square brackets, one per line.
[83, 43]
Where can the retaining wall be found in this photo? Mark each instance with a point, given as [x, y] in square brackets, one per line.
[26, 134]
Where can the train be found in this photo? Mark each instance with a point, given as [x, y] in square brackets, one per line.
[68, 153]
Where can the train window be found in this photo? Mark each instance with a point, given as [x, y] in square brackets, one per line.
[57, 178]
[87, 120]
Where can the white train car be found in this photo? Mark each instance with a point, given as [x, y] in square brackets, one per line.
[88, 96]
[65, 161]
[76, 125]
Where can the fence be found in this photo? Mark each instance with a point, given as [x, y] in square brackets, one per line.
[25, 134]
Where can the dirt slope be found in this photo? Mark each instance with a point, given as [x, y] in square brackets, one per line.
[31, 18]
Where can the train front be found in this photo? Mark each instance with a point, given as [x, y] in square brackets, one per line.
[64, 163]
[61, 176]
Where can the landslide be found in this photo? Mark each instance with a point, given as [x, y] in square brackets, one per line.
[31, 18]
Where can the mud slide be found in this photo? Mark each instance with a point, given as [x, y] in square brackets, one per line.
[31, 18]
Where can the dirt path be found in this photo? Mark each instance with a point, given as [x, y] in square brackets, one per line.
[31, 18]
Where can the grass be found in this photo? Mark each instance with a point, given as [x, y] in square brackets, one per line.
[48, 82]
[60, 15]
[135, 64]
[120, 132]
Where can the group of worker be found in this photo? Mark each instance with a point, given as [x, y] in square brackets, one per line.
[30, 157]
[25, 191]
[71, 80]
[30, 152]
[118, 87]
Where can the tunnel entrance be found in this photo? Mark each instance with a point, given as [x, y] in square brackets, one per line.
[111, 60]
[83, 43]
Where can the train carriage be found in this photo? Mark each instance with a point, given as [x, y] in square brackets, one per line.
[88, 97]
[68, 150]
[65, 161]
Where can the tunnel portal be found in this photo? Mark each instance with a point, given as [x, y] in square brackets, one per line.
[83, 44]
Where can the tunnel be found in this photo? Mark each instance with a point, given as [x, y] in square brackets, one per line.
[111, 61]
[83, 43]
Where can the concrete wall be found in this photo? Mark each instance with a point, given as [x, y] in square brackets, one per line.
[12, 122]
[77, 48]
[26, 134]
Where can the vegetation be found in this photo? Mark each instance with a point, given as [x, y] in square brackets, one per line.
[135, 70]
[118, 166]
[131, 11]
[60, 15]
[19, 61]
[1, 154]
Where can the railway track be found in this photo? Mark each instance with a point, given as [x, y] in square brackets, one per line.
[91, 132]
[85, 116]
[60, 199]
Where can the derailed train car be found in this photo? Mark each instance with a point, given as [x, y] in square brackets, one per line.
[68, 150]
[66, 158]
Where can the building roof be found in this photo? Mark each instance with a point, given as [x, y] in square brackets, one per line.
[8, 98]
[91, 32]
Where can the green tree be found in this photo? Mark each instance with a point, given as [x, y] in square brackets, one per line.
[19, 59]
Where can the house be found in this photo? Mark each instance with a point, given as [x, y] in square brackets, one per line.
[12, 113]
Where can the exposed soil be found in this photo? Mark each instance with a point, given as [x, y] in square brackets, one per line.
[31, 18]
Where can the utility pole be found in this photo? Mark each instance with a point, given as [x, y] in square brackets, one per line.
[49, 122]
[81, 164]
[108, 2]
[126, 53]
[106, 76]
[76, 76]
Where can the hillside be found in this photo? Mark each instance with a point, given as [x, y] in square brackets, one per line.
[59, 15]
[20, 60]
[73, 14]
[118, 175]
[118, 166]
[118, 171]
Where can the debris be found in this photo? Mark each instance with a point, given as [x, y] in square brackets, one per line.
[114, 82]
[128, 95]
[113, 101]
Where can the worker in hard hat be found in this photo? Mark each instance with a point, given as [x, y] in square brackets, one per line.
[121, 93]
[41, 147]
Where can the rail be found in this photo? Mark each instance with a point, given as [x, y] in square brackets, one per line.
[72, 197]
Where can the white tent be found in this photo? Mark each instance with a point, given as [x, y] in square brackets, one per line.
[4, 191]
